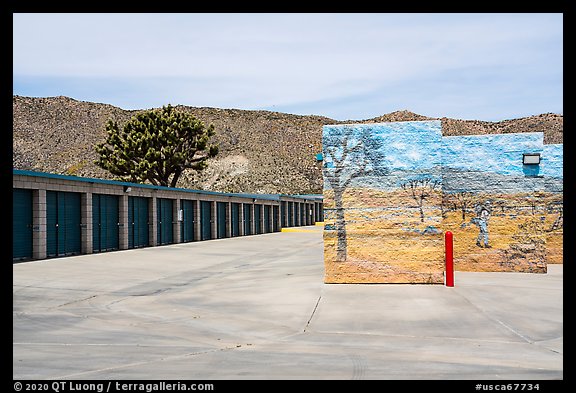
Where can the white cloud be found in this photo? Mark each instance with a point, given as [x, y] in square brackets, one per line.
[293, 59]
[414, 155]
[398, 145]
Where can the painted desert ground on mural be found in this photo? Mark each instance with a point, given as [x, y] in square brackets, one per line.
[387, 238]
[389, 241]
[522, 229]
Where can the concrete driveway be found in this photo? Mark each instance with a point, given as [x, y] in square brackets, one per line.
[255, 307]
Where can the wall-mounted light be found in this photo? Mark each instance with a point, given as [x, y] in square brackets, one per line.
[531, 158]
[127, 188]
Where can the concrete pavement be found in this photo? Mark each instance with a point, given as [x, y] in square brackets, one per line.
[255, 307]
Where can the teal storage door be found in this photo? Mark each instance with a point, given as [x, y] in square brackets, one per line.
[267, 219]
[247, 219]
[187, 224]
[206, 219]
[275, 218]
[257, 219]
[62, 223]
[290, 214]
[21, 224]
[72, 224]
[96, 224]
[235, 213]
[221, 214]
[164, 221]
[283, 218]
[105, 221]
[312, 215]
[51, 223]
[138, 235]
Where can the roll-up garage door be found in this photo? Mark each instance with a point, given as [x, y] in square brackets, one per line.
[221, 214]
[62, 223]
[290, 214]
[235, 213]
[247, 219]
[164, 221]
[187, 231]
[275, 218]
[267, 228]
[283, 218]
[21, 224]
[105, 222]
[138, 222]
[258, 219]
[206, 219]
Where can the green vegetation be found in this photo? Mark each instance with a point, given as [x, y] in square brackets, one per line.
[156, 146]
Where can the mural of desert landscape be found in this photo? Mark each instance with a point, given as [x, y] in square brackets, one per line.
[393, 189]
[498, 209]
[554, 225]
[382, 203]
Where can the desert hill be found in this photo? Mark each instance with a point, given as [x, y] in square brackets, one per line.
[260, 151]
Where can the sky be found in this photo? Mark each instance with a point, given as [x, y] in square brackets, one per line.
[354, 66]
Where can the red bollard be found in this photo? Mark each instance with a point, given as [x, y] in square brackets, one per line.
[449, 259]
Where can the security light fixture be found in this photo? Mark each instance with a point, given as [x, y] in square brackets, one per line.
[531, 158]
[127, 188]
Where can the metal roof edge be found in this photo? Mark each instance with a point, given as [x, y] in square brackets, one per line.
[48, 175]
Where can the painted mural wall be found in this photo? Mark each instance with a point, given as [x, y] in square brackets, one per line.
[382, 203]
[495, 205]
[552, 171]
[391, 190]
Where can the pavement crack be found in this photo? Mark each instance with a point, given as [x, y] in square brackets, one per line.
[495, 319]
[149, 361]
[312, 315]
[74, 301]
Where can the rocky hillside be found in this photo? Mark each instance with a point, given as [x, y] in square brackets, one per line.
[260, 151]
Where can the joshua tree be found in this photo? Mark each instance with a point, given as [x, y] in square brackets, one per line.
[156, 146]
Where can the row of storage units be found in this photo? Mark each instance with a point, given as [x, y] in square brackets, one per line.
[58, 215]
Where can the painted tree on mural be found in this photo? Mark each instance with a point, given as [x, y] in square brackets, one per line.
[465, 201]
[556, 207]
[461, 200]
[420, 189]
[349, 153]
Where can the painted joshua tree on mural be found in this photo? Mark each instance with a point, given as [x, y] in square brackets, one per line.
[420, 189]
[349, 153]
[464, 200]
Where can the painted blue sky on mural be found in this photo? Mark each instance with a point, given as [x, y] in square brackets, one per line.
[400, 148]
[553, 160]
[410, 145]
[500, 154]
